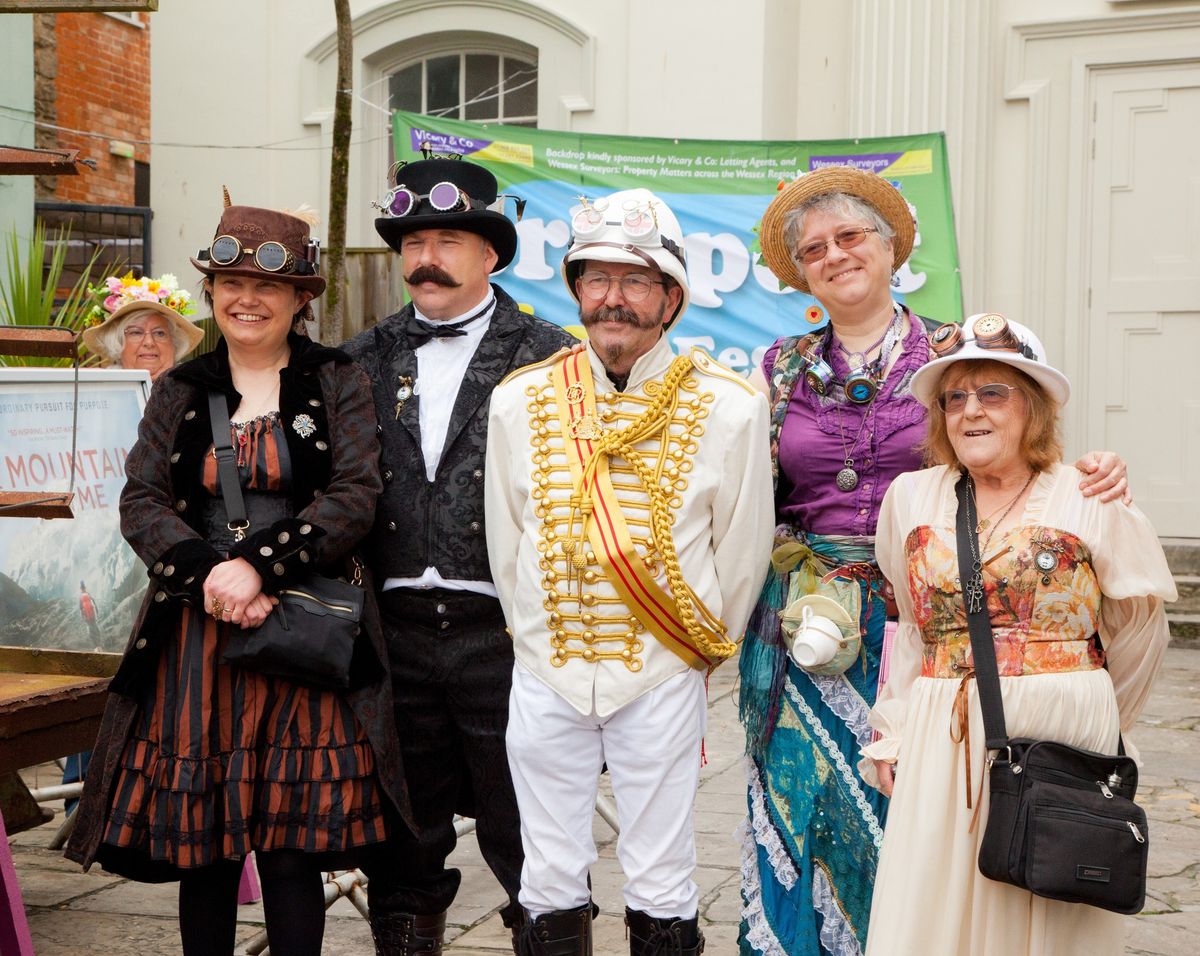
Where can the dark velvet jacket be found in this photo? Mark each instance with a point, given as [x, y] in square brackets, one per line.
[418, 523]
[335, 483]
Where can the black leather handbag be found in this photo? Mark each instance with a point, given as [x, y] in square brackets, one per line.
[309, 636]
[1061, 820]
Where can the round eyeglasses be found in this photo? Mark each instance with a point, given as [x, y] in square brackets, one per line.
[635, 287]
[133, 334]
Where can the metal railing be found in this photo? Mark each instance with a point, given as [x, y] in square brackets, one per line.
[121, 234]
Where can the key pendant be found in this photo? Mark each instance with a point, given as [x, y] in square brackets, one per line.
[975, 594]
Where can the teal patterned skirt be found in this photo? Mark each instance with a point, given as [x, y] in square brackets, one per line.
[811, 843]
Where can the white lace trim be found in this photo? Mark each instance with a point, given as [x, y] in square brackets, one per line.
[839, 760]
[759, 935]
[765, 834]
[836, 935]
[841, 697]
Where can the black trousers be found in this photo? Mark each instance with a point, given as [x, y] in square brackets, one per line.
[451, 663]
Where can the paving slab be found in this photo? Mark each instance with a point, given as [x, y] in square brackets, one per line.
[71, 912]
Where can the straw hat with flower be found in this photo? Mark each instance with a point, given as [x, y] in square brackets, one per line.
[875, 190]
[118, 298]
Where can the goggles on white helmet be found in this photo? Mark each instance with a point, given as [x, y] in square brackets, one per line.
[632, 226]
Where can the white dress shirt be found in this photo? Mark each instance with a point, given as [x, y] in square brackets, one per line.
[441, 365]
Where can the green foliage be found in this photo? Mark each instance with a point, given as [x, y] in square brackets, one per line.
[29, 288]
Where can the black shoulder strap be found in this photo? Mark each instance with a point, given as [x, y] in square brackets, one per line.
[983, 649]
[227, 473]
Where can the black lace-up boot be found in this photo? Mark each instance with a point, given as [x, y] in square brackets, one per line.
[406, 934]
[558, 933]
[667, 936]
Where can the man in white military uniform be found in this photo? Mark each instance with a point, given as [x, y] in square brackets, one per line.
[629, 521]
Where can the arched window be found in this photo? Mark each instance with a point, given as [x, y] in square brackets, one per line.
[480, 86]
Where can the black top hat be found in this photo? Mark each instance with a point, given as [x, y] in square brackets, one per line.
[477, 183]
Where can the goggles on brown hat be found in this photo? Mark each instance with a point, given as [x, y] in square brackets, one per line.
[270, 256]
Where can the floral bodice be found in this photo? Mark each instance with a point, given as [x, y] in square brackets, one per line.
[1042, 595]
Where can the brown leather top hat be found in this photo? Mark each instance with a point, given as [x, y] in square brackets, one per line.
[445, 194]
[263, 244]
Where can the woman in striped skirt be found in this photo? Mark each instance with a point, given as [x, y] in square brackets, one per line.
[200, 763]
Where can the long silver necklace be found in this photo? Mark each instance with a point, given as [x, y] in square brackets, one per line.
[847, 477]
[975, 585]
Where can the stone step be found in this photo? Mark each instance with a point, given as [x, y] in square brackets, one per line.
[1185, 630]
[1188, 586]
[1183, 555]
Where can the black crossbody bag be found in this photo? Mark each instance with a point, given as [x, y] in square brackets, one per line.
[1061, 822]
[309, 636]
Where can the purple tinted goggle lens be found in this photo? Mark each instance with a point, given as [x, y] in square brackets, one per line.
[401, 202]
[446, 197]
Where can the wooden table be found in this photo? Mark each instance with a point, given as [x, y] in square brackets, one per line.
[51, 703]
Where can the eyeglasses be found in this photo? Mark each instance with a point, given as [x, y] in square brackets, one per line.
[133, 334]
[634, 286]
[845, 239]
[269, 256]
[989, 396]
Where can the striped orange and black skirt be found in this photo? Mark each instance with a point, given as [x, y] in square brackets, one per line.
[223, 761]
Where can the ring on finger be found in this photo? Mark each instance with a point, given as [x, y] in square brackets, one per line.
[218, 607]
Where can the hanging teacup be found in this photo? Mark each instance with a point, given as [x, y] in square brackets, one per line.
[822, 636]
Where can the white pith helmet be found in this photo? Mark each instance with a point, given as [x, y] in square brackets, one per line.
[631, 226]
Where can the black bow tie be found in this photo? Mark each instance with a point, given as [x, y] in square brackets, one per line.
[421, 332]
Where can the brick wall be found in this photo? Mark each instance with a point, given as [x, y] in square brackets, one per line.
[93, 75]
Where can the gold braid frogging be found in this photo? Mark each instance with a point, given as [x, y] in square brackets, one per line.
[620, 442]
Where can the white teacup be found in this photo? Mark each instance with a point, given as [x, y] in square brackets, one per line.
[817, 640]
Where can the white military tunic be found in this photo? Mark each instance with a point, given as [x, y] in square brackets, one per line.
[717, 455]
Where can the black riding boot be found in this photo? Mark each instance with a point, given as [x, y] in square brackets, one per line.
[558, 933]
[406, 934]
[668, 936]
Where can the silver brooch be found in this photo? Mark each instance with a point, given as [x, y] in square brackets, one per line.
[304, 426]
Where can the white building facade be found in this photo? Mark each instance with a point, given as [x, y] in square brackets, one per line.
[1073, 129]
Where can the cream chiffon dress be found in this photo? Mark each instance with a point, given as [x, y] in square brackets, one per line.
[1071, 568]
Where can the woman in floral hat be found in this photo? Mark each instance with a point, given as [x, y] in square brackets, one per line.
[199, 762]
[141, 323]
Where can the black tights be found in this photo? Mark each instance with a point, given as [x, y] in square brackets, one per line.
[293, 904]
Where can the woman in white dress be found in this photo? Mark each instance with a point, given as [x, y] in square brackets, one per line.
[1075, 593]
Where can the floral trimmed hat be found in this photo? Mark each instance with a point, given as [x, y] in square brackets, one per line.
[119, 297]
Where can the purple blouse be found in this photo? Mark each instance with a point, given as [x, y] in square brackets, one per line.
[819, 434]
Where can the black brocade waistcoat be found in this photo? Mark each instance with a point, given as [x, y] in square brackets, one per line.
[418, 523]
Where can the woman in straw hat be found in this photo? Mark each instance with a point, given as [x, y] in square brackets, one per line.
[1074, 590]
[141, 323]
[200, 763]
[844, 423]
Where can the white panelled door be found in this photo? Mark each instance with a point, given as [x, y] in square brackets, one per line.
[1143, 321]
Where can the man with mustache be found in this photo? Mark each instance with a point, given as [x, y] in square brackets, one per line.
[433, 366]
[629, 518]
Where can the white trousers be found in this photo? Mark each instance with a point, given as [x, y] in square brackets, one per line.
[652, 748]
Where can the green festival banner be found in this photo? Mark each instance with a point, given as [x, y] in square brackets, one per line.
[718, 189]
